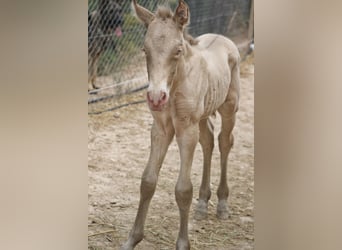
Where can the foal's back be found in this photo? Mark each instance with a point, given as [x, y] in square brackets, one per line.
[217, 47]
[221, 55]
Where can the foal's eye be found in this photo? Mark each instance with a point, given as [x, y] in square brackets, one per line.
[178, 52]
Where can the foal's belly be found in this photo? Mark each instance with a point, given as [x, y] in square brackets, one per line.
[218, 79]
[217, 90]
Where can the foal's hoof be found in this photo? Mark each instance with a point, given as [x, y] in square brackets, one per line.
[132, 242]
[222, 215]
[201, 211]
[222, 211]
[126, 246]
[200, 215]
[182, 245]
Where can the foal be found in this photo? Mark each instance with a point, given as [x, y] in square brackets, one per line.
[189, 80]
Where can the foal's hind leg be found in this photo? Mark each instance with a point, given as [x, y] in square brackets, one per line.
[226, 140]
[160, 141]
[207, 142]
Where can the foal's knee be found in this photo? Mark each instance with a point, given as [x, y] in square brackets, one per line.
[225, 143]
[207, 143]
[148, 185]
[183, 192]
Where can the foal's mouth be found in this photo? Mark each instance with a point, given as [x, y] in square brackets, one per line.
[156, 107]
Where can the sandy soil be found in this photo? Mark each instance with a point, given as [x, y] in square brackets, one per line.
[119, 143]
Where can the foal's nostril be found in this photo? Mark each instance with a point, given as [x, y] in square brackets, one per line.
[163, 96]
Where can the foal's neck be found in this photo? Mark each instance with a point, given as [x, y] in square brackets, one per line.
[181, 73]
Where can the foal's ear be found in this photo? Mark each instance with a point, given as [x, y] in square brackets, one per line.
[144, 15]
[182, 15]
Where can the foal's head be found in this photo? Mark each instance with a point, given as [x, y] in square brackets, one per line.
[164, 47]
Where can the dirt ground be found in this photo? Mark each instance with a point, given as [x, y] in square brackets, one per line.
[118, 149]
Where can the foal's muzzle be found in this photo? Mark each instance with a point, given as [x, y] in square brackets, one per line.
[157, 100]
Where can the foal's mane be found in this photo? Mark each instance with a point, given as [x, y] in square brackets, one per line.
[164, 12]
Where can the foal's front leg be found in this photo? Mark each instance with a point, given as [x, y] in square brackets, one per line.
[161, 137]
[187, 139]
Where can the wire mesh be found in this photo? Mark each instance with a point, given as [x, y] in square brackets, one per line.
[115, 36]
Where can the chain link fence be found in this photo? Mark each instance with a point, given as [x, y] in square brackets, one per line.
[115, 36]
